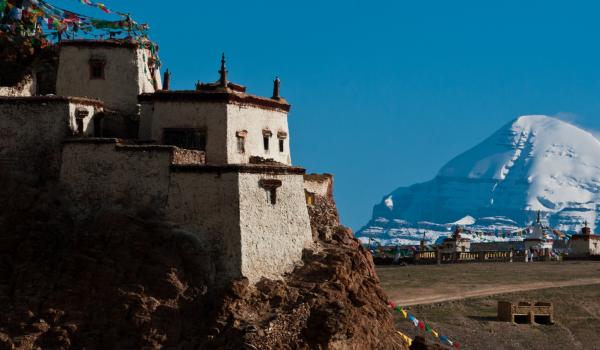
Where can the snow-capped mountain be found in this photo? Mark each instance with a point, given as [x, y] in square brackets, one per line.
[533, 163]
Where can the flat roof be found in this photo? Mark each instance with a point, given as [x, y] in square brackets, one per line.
[50, 99]
[239, 168]
[215, 96]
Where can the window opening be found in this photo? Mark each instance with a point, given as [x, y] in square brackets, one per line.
[270, 186]
[271, 195]
[266, 136]
[241, 147]
[310, 198]
[241, 141]
[97, 69]
[185, 138]
[79, 126]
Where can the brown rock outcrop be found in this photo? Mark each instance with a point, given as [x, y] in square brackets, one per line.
[116, 282]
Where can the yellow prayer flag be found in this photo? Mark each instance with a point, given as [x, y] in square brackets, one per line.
[434, 333]
[406, 338]
[404, 313]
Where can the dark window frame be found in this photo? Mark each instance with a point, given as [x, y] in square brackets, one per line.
[271, 195]
[97, 69]
[186, 138]
[270, 186]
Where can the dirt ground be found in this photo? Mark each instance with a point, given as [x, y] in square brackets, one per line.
[442, 296]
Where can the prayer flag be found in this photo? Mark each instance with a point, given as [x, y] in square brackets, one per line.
[435, 334]
[404, 313]
[16, 13]
[2, 7]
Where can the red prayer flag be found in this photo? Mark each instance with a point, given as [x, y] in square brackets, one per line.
[421, 325]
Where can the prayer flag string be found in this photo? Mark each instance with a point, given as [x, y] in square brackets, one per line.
[40, 19]
[423, 326]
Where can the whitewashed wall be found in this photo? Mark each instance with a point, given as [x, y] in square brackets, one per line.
[580, 247]
[273, 235]
[207, 205]
[126, 75]
[254, 120]
[210, 116]
[32, 132]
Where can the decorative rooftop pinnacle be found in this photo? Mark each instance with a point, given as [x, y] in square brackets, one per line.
[276, 86]
[223, 72]
[167, 80]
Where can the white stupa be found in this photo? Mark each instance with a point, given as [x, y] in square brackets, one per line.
[537, 239]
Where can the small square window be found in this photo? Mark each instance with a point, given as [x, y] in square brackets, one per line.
[281, 144]
[97, 69]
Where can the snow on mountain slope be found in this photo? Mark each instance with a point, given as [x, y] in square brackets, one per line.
[533, 163]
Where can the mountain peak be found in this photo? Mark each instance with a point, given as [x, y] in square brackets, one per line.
[535, 162]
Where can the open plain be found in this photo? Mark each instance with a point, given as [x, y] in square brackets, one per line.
[460, 302]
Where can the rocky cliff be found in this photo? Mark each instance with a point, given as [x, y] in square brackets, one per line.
[119, 281]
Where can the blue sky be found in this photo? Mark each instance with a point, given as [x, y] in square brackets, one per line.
[385, 92]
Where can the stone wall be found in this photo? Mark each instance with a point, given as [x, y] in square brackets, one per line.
[319, 184]
[188, 156]
[324, 217]
[207, 205]
[32, 130]
[26, 87]
[126, 74]
[254, 121]
[273, 235]
[225, 207]
[102, 172]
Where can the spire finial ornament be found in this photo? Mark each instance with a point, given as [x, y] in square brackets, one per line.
[223, 72]
[167, 80]
[276, 87]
